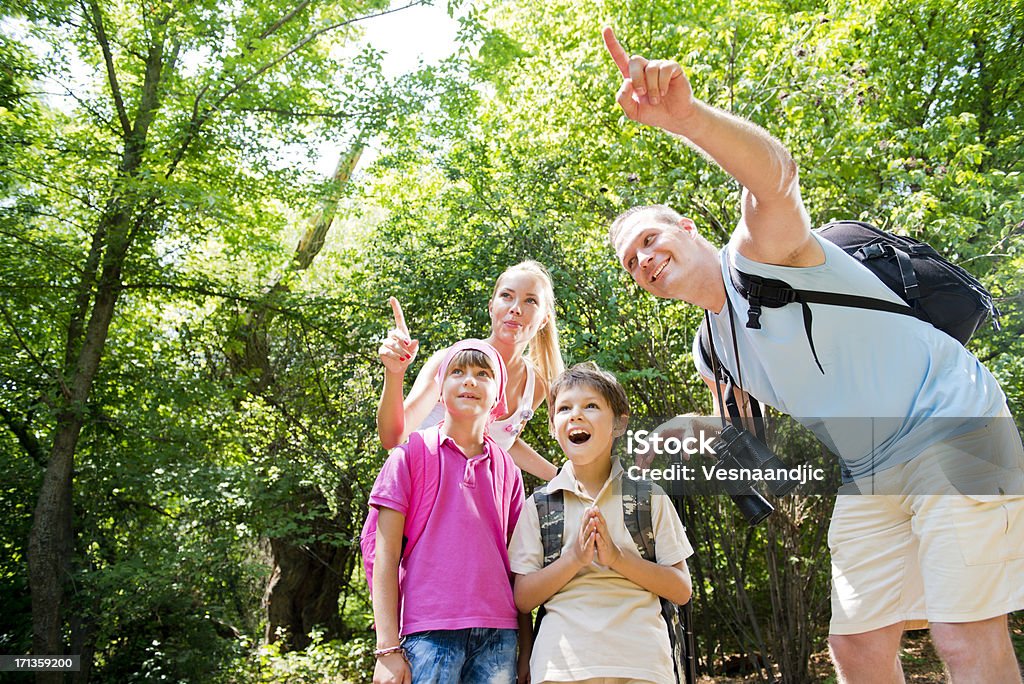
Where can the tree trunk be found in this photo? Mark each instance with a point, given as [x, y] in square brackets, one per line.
[48, 547]
[50, 541]
[304, 587]
[307, 579]
[83, 641]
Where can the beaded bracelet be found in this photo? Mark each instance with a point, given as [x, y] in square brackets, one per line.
[381, 652]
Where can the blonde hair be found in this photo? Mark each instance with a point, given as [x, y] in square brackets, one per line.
[543, 351]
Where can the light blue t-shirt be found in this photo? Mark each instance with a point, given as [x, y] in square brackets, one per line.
[893, 385]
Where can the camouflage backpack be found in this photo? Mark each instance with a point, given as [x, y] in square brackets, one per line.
[636, 512]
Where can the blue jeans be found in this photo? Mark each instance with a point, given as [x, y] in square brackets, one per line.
[471, 656]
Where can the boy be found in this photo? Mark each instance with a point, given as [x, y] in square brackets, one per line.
[456, 613]
[603, 616]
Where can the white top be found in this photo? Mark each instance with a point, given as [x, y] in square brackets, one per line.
[503, 432]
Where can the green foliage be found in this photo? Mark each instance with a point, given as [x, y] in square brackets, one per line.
[322, 662]
[178, 469]
[543, 160]
[234, 407]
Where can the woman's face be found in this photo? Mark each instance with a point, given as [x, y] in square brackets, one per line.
[518, 309]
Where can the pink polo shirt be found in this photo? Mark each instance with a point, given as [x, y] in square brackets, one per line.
[457, 575]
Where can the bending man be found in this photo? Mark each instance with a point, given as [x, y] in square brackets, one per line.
[899, 561]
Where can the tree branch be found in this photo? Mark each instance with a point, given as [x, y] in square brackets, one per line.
[297, 114]
[43, 182]
[93, 12]
[25, 438]
[284, 20]
[31, 354]
[132, 503]
[41, 248]
[199, 118]
[149, 100]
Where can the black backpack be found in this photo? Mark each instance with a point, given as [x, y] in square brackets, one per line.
[636, 512]
[934, 290]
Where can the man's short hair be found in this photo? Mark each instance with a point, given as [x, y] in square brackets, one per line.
[658, 211]
[589, 374]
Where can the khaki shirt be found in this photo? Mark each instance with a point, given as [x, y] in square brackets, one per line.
[600, 624]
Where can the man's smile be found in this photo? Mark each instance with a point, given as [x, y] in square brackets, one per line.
[658, 271]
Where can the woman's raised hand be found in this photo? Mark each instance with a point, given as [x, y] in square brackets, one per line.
[397, 350]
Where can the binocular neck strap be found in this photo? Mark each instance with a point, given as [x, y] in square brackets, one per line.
[733, 404]
[714, 367]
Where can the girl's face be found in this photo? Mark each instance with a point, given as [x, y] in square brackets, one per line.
[518, 309]
[469, 390]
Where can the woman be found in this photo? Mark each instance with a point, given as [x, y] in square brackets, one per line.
[522, 310]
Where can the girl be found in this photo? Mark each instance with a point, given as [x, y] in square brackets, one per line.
[460, 491]
[522, 311]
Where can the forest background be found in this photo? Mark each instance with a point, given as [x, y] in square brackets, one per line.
[189, 312]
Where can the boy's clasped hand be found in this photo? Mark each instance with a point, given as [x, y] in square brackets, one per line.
[594, 541]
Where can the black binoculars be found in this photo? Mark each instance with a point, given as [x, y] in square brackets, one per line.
[738, 450]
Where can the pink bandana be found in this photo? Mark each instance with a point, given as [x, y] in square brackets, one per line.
[500, 374]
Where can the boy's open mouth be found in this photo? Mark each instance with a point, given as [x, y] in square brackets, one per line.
[578, 435]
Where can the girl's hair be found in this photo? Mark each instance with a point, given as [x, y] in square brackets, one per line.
[470, 357]
[544, 351]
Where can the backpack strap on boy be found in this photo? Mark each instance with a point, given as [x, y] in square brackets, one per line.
[636, 513]
[551, 514]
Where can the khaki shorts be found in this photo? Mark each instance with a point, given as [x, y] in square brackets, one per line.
[916, 556]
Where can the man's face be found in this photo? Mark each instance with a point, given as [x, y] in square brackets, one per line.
[657, 253]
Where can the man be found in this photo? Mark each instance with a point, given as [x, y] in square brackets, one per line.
[900, 560]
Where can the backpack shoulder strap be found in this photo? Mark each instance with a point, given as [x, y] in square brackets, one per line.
[551, 513]
[636, 510]
[506, 477]
[762, 292]
[636, 513]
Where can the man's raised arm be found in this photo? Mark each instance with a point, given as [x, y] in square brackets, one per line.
[657, 93]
